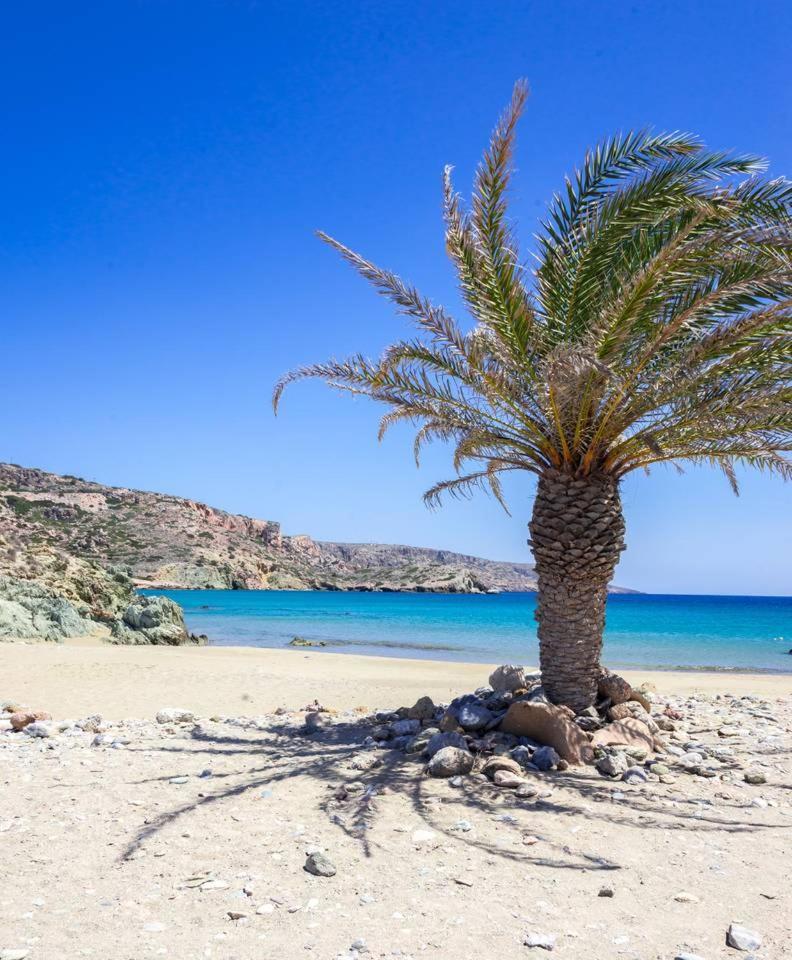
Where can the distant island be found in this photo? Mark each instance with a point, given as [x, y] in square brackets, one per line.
[172, 542]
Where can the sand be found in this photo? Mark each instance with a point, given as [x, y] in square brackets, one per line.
[188, 842]
[86, 676]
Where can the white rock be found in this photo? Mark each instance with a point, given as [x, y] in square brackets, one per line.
[741, 938]
[174, 715]
[544, 940]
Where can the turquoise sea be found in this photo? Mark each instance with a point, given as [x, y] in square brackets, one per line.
[643, 630]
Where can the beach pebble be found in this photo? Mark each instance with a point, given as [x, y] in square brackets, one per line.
[613, 764]
[507, 779]
[13, 954]
[39, 729]
[635, 775]
[687, 956]
[605, 892]
[319, 865]
[741, 938]
[174, 715]
[546, 941]
[755, 777]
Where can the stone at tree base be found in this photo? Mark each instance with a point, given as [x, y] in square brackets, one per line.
[422, 709]
[545, 758]
[614, 688]
[450, 762]
[319, 865]
[494, 764]
[741, 938]
[549, 725]
[440, 740]
[624, 733]
[22, 719]
[507, 678]
[508, 779]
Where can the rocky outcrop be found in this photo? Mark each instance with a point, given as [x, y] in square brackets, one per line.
[151, 620]
[31, 612]
[167, 541]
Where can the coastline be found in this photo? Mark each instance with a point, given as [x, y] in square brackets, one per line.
[87, 676]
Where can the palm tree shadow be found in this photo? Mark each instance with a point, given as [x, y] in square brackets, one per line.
[358, 779]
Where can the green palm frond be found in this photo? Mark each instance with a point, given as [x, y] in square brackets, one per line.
[655, 328]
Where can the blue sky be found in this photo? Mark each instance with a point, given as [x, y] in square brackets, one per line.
[166, 163]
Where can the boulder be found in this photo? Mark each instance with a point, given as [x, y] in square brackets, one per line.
[473, 716]
[508, 779]
[450, 762]
[624, 733]
[154, 620]
[32, 612]
[545, 758]
[507, 678]
[614, 688]
[440, 740]
[496, 764]
[422, 709]
[550, 725]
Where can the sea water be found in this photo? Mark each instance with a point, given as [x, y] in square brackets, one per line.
[643, 630]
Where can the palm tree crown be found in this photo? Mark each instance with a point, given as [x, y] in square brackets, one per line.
[654, 327]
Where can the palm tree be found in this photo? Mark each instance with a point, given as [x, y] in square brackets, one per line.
[654, 328]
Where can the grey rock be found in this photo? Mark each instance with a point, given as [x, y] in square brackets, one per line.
[151, 620]
[440, 740]
[545, 758]
[507, 678]
[605, 892]
[39, 729]
[521, 754]
[314, 721]
[741, 938]
[473, 716]
[635, 775]
[613, 764]
[405, 728]
[546, 941]
[754, 777]
[507, 779]
[319, 865]
[30, 611]
[420, 741]
[450, 762]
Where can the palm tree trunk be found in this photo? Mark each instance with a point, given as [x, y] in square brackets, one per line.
[577, 534]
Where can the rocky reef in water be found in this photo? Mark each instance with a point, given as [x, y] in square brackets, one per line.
[167, 541]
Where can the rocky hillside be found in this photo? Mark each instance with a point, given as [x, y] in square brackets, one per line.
[174, 542]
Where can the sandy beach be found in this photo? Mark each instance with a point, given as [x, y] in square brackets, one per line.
[86, 676]
[128, 839]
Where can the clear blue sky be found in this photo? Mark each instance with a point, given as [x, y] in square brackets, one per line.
[164, 165]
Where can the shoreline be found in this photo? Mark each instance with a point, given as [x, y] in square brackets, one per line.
[87, 676]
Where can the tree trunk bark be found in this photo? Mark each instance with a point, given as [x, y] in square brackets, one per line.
[577, 534]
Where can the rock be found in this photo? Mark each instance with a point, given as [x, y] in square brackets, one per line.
[21, 720]
[546, 941]
[508, 779]
[754, 777]
[684, 897]
[314, 721]
[303, 642]
[624, 733]
[521, 754]
[14, 954]
[549, 725]
[635, 775]
[473, 716]
[450, 762]
[319, 865]
[605, 892]
[613, 764]
[154, 620]
[174, 715]
[687, 956]
[440, 740]
[422, 709]
[494, 764]
[659, 769]
[405, 728]
[614, 688]
[507, 678]
[31, 611]
[546, 758]
[527, 790]
[741, 938]
[448, 723]
[38, 729]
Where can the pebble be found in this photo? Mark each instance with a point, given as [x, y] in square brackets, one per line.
[741, 938]
[178, 780]
[687, 956]
[755, 777]
[545, 758]
[319, 865]
[544, 940]
[173, 715]
[684, 897]
[605, 892]
[11, 954]
[39, 729]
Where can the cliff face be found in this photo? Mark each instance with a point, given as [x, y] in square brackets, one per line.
[171, 541]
